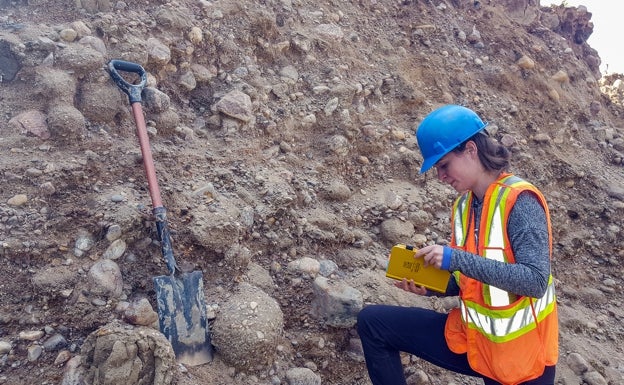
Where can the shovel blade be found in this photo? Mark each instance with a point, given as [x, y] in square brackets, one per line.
[182, 316]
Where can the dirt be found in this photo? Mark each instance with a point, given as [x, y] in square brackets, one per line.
[388, 64]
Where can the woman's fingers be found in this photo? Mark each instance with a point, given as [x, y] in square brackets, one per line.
[410, 286]
[432, 255]
[416, 289]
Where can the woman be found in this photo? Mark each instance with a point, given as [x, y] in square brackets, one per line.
[505, 330]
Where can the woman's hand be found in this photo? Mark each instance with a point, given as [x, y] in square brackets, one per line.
[432, 255]
[410, 286]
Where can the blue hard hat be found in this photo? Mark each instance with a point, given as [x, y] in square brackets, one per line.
[443, 130]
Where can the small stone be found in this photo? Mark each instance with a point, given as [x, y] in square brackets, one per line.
[140, 313]
[18, 200]
[32, 335]
[508, 140]
[526, 63]
[363, 160]
[594, 378]
[54, 343]
[47, 188]
[84, 243]
[577, 363]
[62, 357]
[561, 77]
[113, 233]
[542, 138]
[34, 352]
[115, 250]
[68, 35]
[554, 95]
[196, 35]
[5, 347]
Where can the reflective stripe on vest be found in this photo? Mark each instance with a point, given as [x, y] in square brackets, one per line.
[505, 325]
[461, 221]
[495, 241]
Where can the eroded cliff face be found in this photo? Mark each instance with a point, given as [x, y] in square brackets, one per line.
[283, 136]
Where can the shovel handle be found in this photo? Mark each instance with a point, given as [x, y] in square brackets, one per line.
[132, 90]
[134, 93]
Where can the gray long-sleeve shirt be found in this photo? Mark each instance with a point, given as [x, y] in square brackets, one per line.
[528, 233]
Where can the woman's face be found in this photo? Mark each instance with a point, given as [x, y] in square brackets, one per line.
[458, 169]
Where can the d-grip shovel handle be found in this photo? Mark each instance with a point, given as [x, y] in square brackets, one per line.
[134, 94]
[132, 90]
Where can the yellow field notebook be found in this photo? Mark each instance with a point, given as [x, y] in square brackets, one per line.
[402, 264]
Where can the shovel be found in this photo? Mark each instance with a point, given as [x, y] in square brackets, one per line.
[180, 296]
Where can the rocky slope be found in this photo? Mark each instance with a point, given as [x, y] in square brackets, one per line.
[282, 132]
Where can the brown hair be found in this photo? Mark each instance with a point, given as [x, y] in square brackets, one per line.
[492, 155]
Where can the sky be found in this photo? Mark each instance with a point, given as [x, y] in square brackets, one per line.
[607, 16]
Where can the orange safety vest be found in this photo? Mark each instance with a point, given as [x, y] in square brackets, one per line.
[507, 337]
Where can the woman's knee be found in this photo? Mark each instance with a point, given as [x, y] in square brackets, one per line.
[363, 318]
[368, 317]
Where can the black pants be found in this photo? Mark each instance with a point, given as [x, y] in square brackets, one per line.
[387, 330]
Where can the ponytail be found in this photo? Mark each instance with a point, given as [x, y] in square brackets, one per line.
[492, 155]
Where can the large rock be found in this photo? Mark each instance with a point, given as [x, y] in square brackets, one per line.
[395, 230]
[66, 122]
[30, 122]
[236, 104]
[100, 102]
[522, 11]
[79, 58]
[247, 330]
[55, 85]
[9, 65]
[93, 6]
[216, 227]
[118, 353]
[336, 303]
[105, 279]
